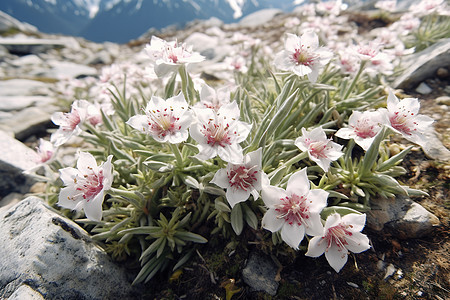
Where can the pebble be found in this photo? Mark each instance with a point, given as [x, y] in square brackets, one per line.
[423, 89]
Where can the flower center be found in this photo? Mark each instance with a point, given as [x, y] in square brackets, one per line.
[72, 120]
[242, 178]
[318, 149]
[365, 129]
[173, 57]
[303, 57]
[89, 185]
[367, 51]
[217, 134]
[401, 120]
[338, 235]
[293, 209]
[162, 123]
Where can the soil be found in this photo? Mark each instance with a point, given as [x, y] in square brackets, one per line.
[391, 269]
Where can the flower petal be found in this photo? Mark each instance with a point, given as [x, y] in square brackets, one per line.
[235, 196]
[271, 221]
[298, 183]
[271, 195]
[93, 207]
[336, 257]
[358, 221]
[292, 234]
[86, 163]
[68, 175]
[221, 179]
[139, 122]
[357, 243]
[316, 247]
[64, 198]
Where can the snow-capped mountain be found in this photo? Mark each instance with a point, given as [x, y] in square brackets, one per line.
[123, 20]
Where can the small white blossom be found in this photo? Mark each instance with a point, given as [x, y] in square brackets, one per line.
[164, 120]
[363, 127]
[69, 123]
[340, 235]
[320, 149]
[302, 55]
[405, 119]
[296, 210]
[85, 186]
[219, 133]
[169, 56]
[241, 180]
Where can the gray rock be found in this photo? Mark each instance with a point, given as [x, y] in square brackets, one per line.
[55, 257]
[10, 200]
[64, 70]
[25, 292]
[22, 87]
[402, 217]
[26, 45]
[259, 17]
[424, 64]
[423, 89]
[28, 122]
[15, 158]
[10, 103]
[260, 273]
[434, 148]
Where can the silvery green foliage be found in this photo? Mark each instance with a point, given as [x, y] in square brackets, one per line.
[177, 169]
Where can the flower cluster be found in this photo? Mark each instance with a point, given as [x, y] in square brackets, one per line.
[270, 146]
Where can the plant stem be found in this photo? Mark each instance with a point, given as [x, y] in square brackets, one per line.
[352, 86]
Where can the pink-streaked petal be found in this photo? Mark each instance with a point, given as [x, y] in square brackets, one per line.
[411, 105]
[139, 122]
[221, 178]
[235, 196]
[316, 247]
[317, 200]
[271, 195]
[298, 183]
[93, 207]
[64, 198]
[357, 243]
[292, 234]
[86, 163]
[314, 225]
[271, 221]
[68, 175]
[332, 220]
[336, 257]
[358, 221]
[292, 42]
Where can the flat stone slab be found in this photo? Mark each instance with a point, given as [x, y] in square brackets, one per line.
[11, 103]
[260, 273]
[55, 257]
[21, 87]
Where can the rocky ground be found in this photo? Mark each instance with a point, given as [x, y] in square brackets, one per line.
[33, 67]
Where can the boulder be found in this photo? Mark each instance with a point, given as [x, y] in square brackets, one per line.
[424, 64]
[15, 158]
[54, 257]
[260, 274]
[402, 217]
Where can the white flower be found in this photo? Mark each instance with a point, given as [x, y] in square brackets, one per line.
[387, 5]
[241, 180]
[86, 185]
[69, 123]
[165, 120]
[94, 112]
[46, 151]
[210, 98]
[303, 56]
[339, 236]
[168, 56]
[320, 149]
[219, 133]
[405, 119]
[296, 210]
[363, 127]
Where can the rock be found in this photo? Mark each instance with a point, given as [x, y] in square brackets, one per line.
[434, 148]
[22, 87]
[9, 201]
[260, 273]
[424, 64]
[10, 103]
[402, 217]
[260, 17]
[443, 100]
[24, 126]
[15, 158]
[423, 89]
[55, 257]
[24, 45]
[25, 292]
[442, 73]
[201, 42]
[64, 70]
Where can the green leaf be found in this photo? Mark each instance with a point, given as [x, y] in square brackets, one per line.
[183, 260]
[141, 230]
[250, 217]
[391, 162]
[190, 236]
[153, 247]
[327, 211]
[237, 219]
[221, 206]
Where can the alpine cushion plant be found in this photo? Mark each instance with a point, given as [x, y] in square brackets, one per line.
[274, 151]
